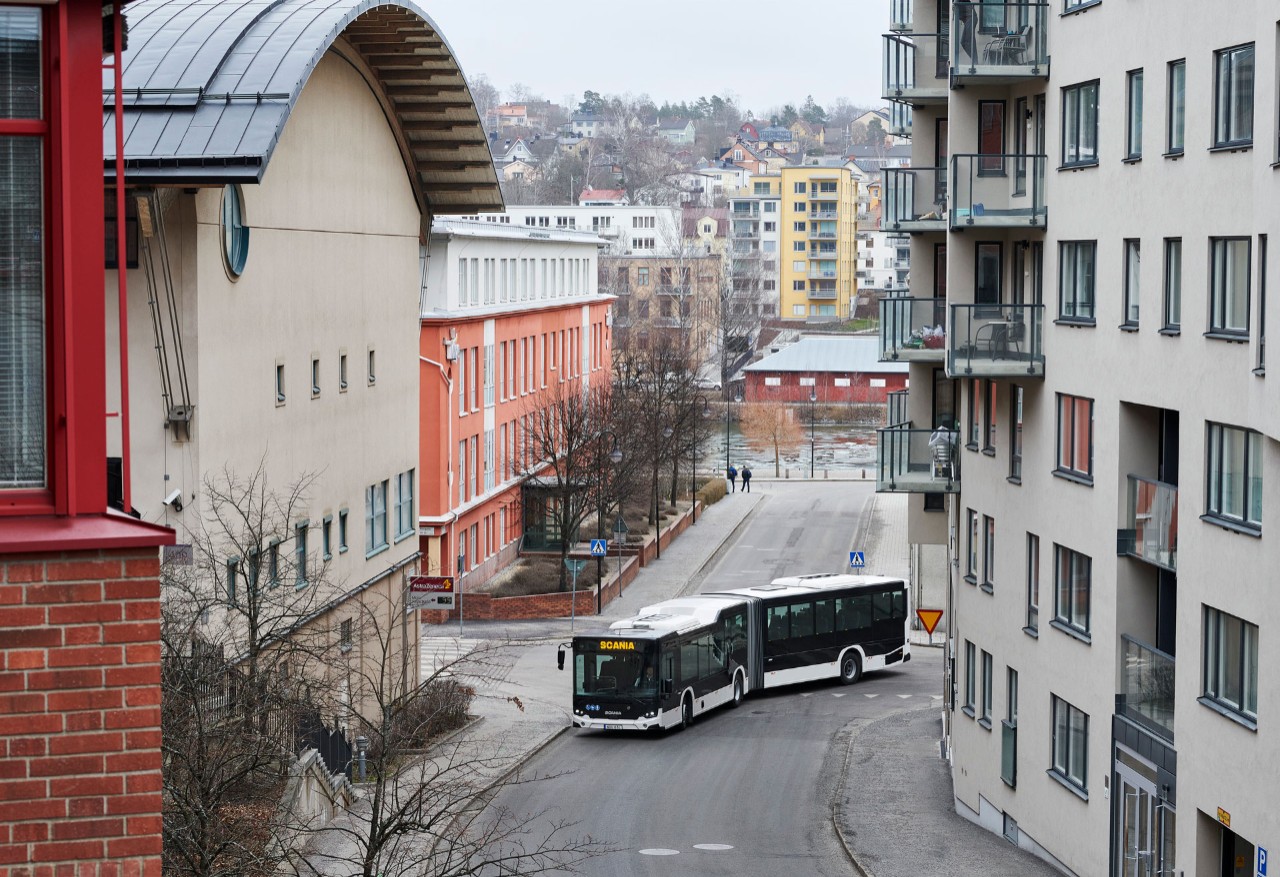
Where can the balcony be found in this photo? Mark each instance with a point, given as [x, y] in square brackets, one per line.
[912, 329]
[998, 191]
[749, 210]
[824, 194]
[901, 14]
[823, 234]
[673, 289]
[999, 43]
[916, 69]
[823, 293]
[824, 214]
[995, 341]
[908, 462]
[898, 406]
[915, 199]
[1146, 687]
[1150, 530]
[900, 264]
[899, 119]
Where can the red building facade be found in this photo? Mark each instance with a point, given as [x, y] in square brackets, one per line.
[836, 370]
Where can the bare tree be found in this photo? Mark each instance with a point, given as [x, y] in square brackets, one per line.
[770, 426]
[486, 99]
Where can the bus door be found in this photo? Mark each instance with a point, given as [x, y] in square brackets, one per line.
[669, 675]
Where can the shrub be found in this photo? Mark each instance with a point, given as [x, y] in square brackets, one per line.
[541, 575]
[712, 491]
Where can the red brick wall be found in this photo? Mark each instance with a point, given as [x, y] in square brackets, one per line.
[80, 714]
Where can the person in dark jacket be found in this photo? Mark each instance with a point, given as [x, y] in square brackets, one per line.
[733, 479]
[746, 478]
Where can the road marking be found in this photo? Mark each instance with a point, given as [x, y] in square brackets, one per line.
[904, 696]
[936, 696]
[659, 851]
[713, 846]
[807, 694]
[833, 694]
[870, 695]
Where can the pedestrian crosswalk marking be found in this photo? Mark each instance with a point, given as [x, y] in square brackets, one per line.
[904, 695]
[870, 695]
[837, 695]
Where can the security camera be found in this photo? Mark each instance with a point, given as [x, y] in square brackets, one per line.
[174, 499]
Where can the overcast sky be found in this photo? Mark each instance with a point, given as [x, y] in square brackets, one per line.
[765, 53]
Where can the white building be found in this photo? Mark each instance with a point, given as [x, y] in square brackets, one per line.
[632, 230]
[1114, 673]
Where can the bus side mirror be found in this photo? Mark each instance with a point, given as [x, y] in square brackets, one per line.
[560, 659]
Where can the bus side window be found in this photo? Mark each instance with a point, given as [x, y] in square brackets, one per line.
[844, 614]
[883, 603]
[824, 617]
[801, 620]
[688, 661]
[861, 612]
[778, 627]
[899, 605]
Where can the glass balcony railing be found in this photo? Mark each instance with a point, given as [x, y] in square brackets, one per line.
[897, 400]
[996, 340]
[998, 191]
[824, 214]
[1146, 687]
[901, 14]
[899, 119]
[916, 68]
[999, 41]
[913, 329]
[822, 234]
[915, 199]
[1009, 752]
[1150, 530]
[917, 461]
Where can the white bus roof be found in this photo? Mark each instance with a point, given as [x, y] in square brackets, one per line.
[796, 586]
[672, 616]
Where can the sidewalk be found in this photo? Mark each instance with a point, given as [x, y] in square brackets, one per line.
[924, 834]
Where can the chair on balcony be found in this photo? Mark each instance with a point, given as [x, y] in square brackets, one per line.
[1009, 49]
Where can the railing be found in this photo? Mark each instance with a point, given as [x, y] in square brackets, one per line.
[897, 400]
[899, 119]
[1146, 687]
[901, 14]
[1151, 526]
[996, 340]
[916, 68]
[742, 211]
[823, 194]
[1009, 752]
[824, 214]
[823, 293]
[915, 198]
[917, 461]
[815, 235]
[1004, 190]
[900, 264]
[823, 274]
[999, 39]
[912, 328]
[827, 250]
[673, 289]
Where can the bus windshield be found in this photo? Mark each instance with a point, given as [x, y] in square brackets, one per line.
[603, 667]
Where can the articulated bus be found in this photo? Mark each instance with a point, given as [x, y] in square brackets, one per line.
[679, 658]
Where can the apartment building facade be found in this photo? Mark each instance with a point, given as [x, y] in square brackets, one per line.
[628, 229]
[510, 315]
[1112, 673]
[817, 242]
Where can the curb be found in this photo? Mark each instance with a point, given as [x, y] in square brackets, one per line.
[697, 577]
[860, 868]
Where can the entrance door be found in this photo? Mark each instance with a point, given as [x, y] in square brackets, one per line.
[1136, 848]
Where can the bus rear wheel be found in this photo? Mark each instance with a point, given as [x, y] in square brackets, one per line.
[686, 714]
[737, 691]
[850, 669]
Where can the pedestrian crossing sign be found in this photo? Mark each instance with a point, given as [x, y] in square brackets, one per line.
[858, 559]
[599, 547]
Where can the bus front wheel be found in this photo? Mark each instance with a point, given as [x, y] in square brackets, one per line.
[850, 668]
[737, 691]
[686, 713]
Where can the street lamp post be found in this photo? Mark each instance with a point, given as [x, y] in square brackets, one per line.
[693, 471]
[615, 457]
[813, 400]
[737, 397]
[667, 432]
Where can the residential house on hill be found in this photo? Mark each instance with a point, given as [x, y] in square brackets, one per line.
[603, 198]
[588, 124]
[677, 132]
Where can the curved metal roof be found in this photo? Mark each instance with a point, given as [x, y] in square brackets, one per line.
[209, 86]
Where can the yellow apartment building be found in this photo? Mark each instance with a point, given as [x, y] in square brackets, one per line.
[817, 242]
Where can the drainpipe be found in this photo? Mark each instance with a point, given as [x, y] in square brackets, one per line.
[448, 456]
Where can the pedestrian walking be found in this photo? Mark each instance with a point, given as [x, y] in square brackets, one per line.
[746, 478]
[733, 479]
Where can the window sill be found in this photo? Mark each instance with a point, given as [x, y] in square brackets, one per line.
[971, 446]
[1076, 322]
[400, 537]
[1015, 479]
[1033, 632]
[1171, 331]
[1242, 146]
[328, 555]
[1069, 784]
[1173, 154]
[375, 552]
[1076, 166]
[1071, 632]
[1128, 327]
[988, 587]
[971, 579]
[342, 550]
[1234, 337]
[984, 722]
[1066, 475]
[969, 711]
[1083, 7]
[988, 452]
[1223, 710]
[1132, 159]
[344, 648]
[1233, 526]
[1260, 371]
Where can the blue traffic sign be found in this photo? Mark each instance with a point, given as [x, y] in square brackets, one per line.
[1262, 862]
[858, 559]
[599, 547]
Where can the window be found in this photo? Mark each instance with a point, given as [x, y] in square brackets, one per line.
[1072, 586]
[1172, 284]
[375, 517]
[989, 420]
[798, 286]
[984, 717]
[1234, 474]
[1021, 114]
[1229, 286]
[771, 207]
[326, 537]
[1033, 584]
[799, 206]
[1132, 272]
[990, 138]
[642, 276]
[1233, 96]
[488, 375]
[1015, 433]
[273, 562]
[1177, 110]
[797, 265]
[1080, 124]
[1133, 116]
[404, 504]
[1231, 662]
[797, 246]
[970, 677]
[1077, 260]
[798, 226]
[799, 188]
[344, 635]
[1070, 743]
[1075, 436]
[342, 531]
[235, 233]
[989, 270]
[988, 552]
[233, 572]
[1262, 306]
[971, 568]
[975, 413]
[373, 371]
[279, 384]
[342, 373]
[300, 554]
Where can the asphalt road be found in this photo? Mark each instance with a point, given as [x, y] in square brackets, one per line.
[745, 791]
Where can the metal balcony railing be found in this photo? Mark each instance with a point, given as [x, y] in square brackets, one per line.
[822, 292]
[897, 400]
[913, 329]
[916, 68]
[915, 199]
[996, 340]
[822, 234]
[823, 273]
[1146, 687]
[999, 41]
[899, 119]
[824, 214]
[998, 191]
[1150, 528]
[917, 461]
